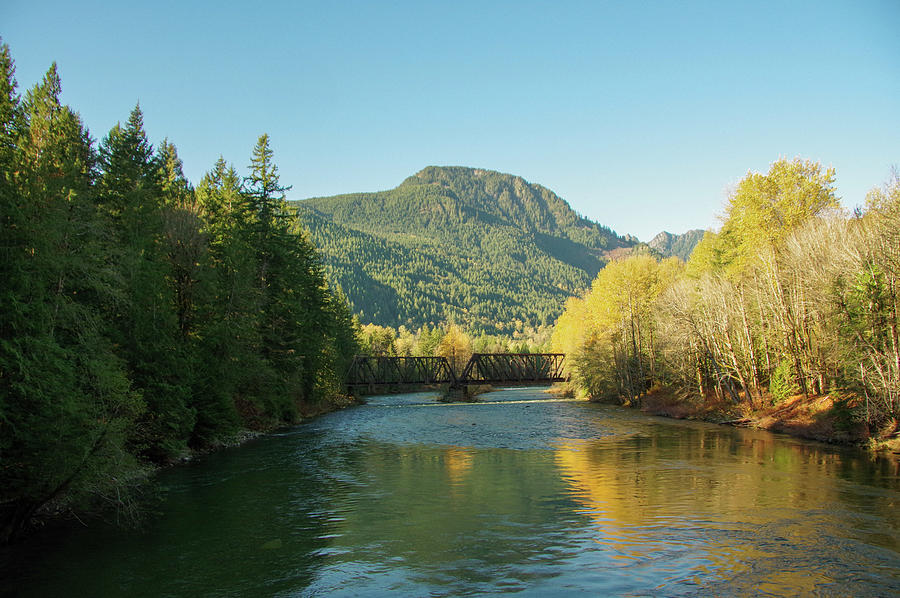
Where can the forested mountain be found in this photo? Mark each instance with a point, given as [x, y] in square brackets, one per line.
[680, 246]
[482, 248]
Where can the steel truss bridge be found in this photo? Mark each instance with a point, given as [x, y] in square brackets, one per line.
[483, 368]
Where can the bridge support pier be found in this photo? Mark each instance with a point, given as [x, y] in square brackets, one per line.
[459, 393]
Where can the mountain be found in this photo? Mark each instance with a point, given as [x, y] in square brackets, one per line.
[680, 246]
[481, 248]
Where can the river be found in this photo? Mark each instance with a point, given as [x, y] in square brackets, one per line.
[518, 493]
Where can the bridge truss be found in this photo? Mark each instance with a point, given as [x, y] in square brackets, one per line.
[514, 368]
[483, 368]
[393, 371]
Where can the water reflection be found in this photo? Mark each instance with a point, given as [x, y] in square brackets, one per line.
[407, 496]
[745, 512]
[447, 519]
[226, 524]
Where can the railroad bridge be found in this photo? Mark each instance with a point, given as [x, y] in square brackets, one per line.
[368, 372]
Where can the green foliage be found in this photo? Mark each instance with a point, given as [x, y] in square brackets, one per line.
[147, 328]
[865, 294]
[781, 383]
[680, 246]
[457, 244]
[227, 331]
[426, 341]
[65, 401]
[866, 303]
[138, 316]
[377, 340]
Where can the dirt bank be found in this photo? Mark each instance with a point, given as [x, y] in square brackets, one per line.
[826, 418]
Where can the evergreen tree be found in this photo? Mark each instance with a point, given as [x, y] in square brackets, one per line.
[148, 330]
[291, 284]
[229, 337]
[264, 186]
[66, 402]
[340, 344]
[137, 315]
[185, 245]
[10, 111]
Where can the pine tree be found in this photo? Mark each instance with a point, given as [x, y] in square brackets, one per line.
[185, 246]
[298, 321]
[148, 326]
[229, 336]
[66, 402]
[264, 186]
[282, 281]
[137, 315]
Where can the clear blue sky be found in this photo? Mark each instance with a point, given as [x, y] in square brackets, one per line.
[640, 114]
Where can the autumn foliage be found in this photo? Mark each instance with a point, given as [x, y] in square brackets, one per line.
[791, 297]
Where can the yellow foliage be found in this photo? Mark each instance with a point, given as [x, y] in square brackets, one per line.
[706, 257]
[761, 212]
[377, 340]
[615, 315]
[456, 346]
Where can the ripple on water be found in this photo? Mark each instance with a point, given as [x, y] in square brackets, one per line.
[515, 494]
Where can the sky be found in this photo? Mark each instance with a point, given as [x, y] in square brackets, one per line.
[642, 115]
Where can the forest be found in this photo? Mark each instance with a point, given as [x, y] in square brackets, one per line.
[791, 297]
[142, 317]
[681, 246]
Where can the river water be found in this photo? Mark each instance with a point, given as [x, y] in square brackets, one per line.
[518, 493]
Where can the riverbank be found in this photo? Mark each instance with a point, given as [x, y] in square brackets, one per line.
[305, 412]
[824, 418]
[136, 486]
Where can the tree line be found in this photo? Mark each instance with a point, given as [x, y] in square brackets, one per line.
[451, 341]
[140, 316]
[792, 296]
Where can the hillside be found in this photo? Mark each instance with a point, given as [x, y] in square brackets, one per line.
[681, 246]
[481, 248]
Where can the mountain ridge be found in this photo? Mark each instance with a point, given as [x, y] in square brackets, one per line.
[669, 244]
[482, 248]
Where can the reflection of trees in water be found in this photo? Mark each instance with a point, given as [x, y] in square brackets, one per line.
[743, 506]
[455, 514]
[641, 505]
[224, 526]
